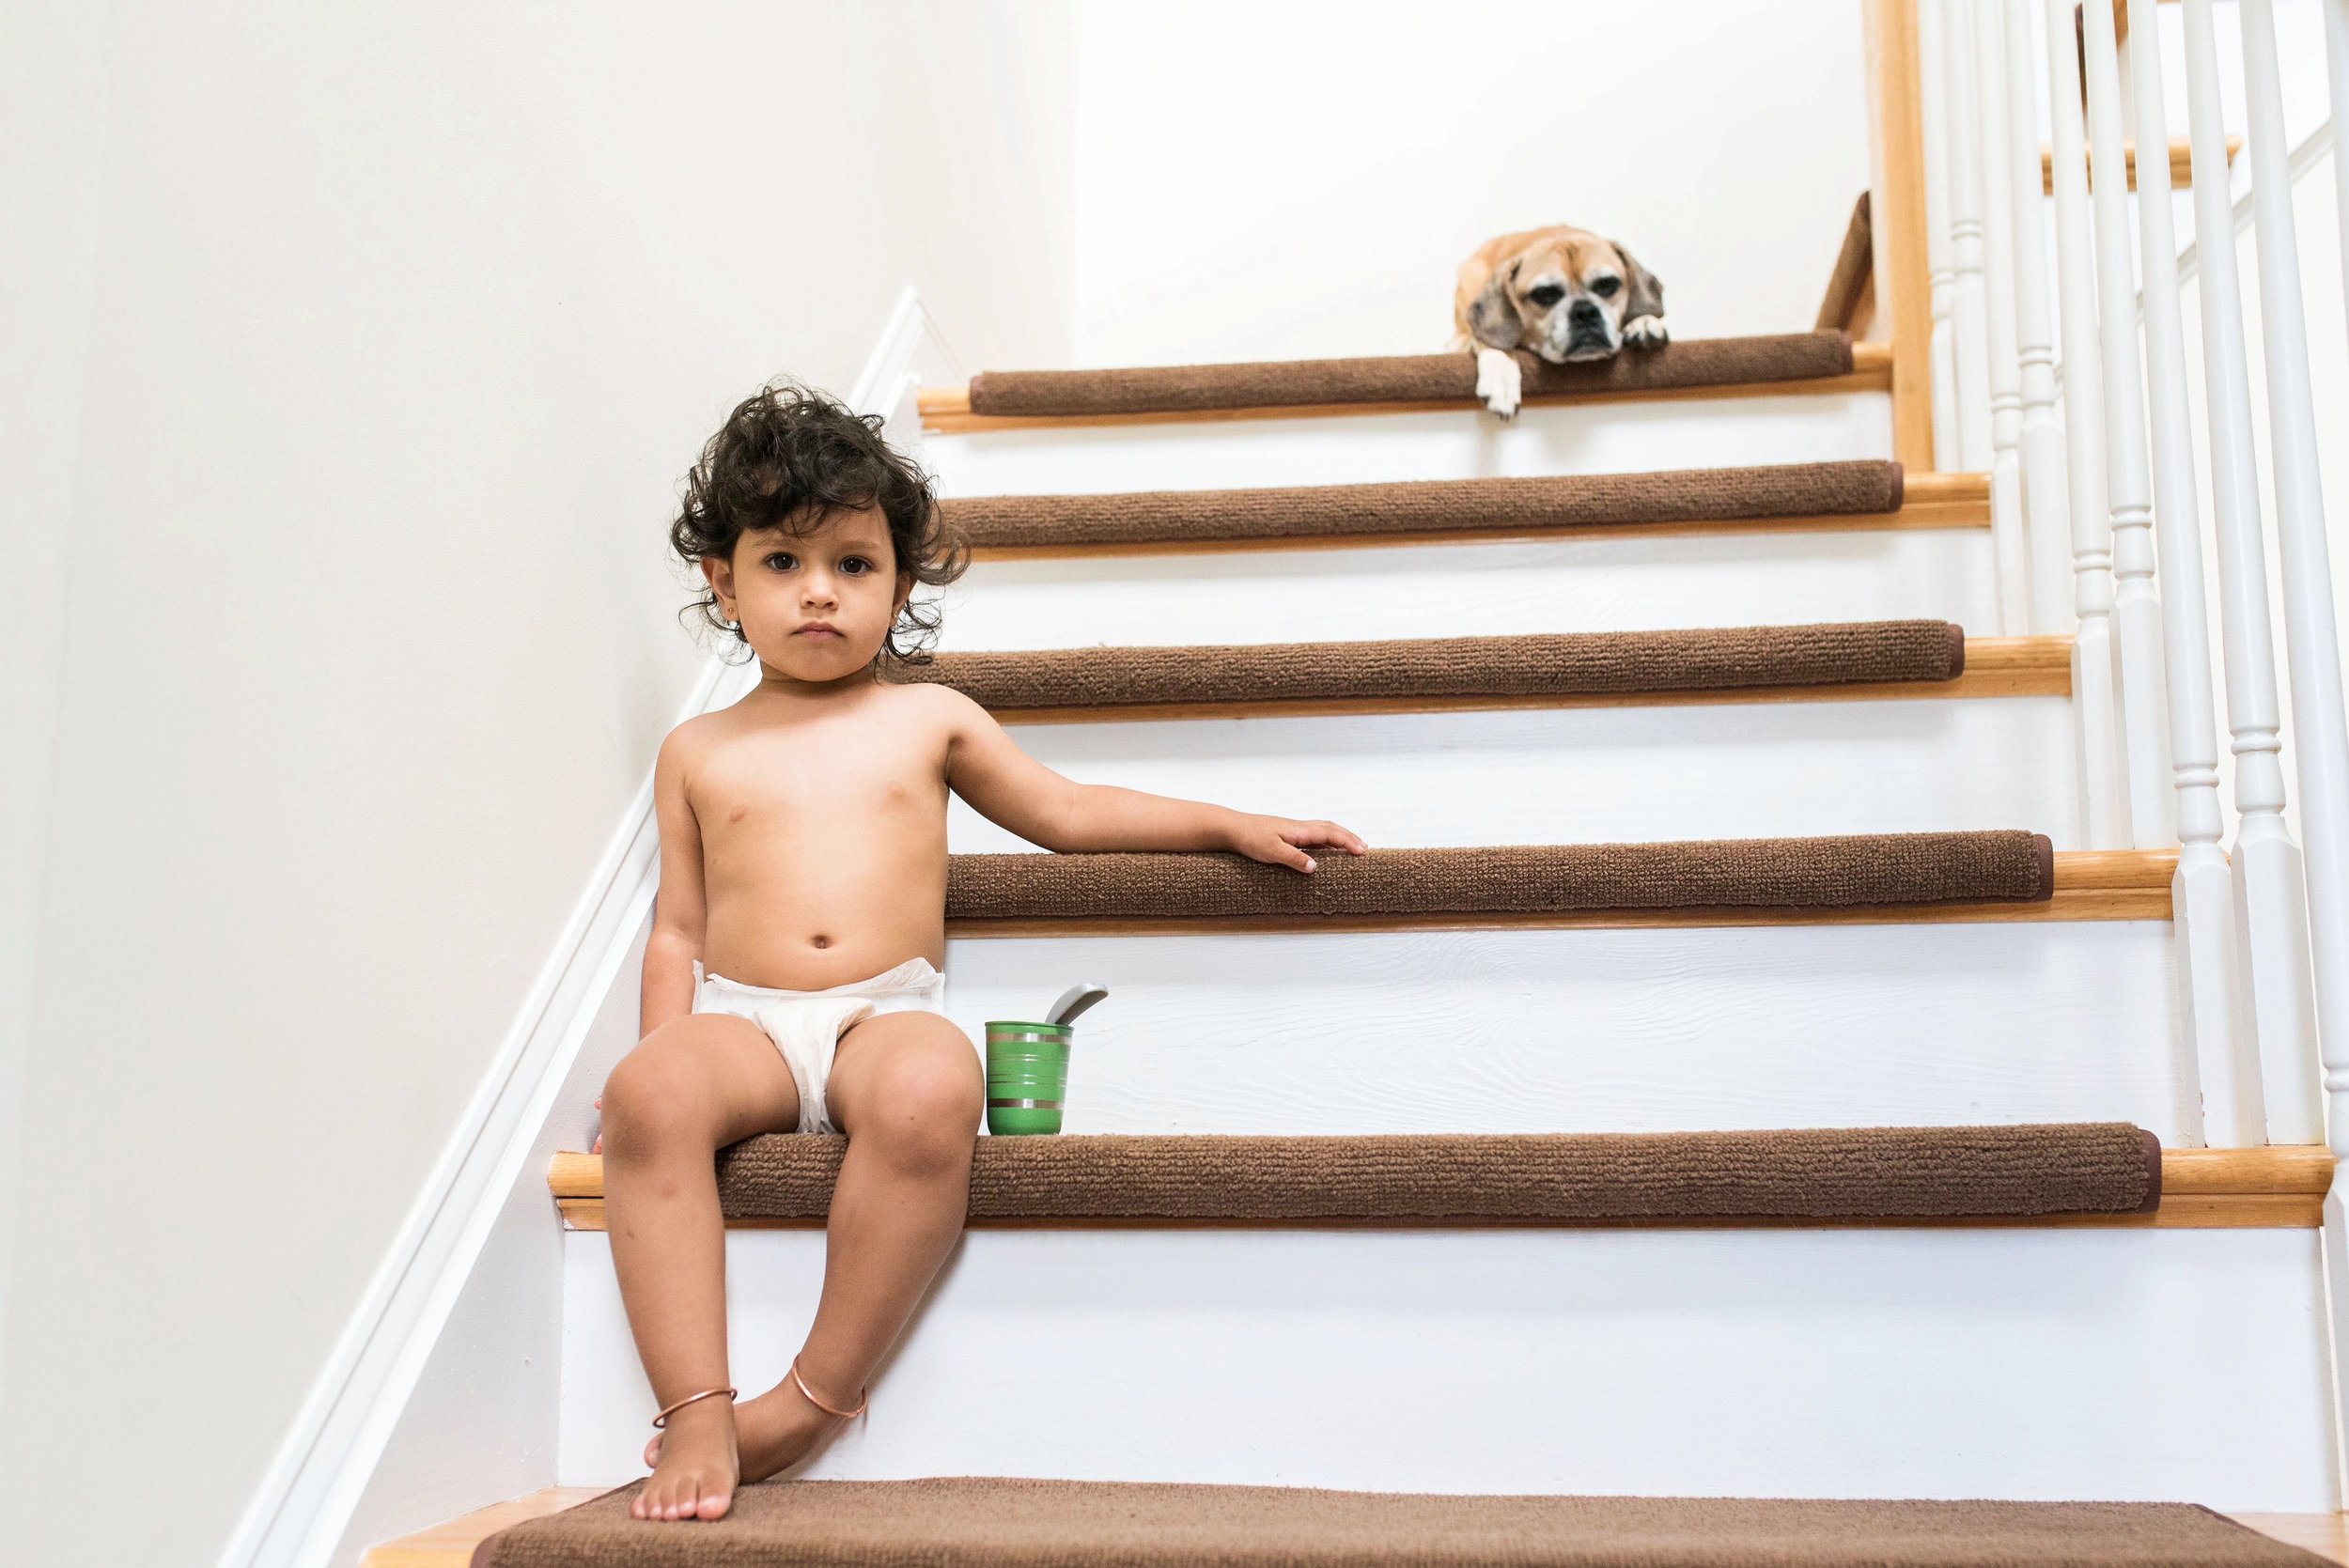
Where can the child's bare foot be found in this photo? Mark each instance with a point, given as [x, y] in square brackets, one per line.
[772, 1432]
[695, 1471]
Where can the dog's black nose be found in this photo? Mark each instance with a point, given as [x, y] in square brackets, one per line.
[1584, 314]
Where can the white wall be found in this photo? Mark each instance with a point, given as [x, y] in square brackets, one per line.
[401, 323]
[1268, 179]
[51, 69]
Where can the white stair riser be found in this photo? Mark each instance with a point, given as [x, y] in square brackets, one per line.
[1623, 1031]
[1591, 437]
[1477, 588]
[1995, 1362]
[1596, 775]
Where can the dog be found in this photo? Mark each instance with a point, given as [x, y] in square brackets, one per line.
[1566, 294]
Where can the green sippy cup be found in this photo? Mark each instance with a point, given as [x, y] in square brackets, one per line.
[1027, 1066]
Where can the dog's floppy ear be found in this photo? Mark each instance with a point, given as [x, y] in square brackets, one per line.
[1643, 292]
[1493, 319]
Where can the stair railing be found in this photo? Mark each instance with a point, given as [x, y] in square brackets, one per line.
[2269, 892]
[2092, 407]
[2106, 502]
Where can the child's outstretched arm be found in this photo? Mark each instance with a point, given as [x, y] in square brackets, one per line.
[679, 911]
[1011, 788]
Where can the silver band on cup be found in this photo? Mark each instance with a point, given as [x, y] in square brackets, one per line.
[1023, 1105]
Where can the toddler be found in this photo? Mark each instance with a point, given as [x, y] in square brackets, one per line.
[792, 979]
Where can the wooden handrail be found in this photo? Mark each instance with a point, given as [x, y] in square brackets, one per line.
[1897, 224]
[1850, 287]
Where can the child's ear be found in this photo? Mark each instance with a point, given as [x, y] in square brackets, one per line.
[905, 591]
[718, 571]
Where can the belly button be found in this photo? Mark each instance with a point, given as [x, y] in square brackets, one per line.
[821, 942]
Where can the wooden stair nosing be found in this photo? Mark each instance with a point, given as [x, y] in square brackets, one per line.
[947, 409]
[2181, 162]
[2280, 1187]
[1995, 667]
[2092, 884]
[451, 1545]
[1933, 502]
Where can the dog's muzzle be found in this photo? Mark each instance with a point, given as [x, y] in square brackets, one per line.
[1586, 332]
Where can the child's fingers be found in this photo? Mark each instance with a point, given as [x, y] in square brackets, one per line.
[1280, 851]
[1325, 833]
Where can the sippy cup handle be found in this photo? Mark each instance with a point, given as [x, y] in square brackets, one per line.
[1074, 1001]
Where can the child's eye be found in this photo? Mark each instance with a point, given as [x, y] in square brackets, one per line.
[782, 560]
[855, 566]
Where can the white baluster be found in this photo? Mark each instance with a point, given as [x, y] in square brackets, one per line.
[2226, 1057]
[2320, 728]
[2270, 901]
[2096, 711]
[2047, 497]
[2008, 545]
[1968, 298]
[2337, 71]
[2136, 607]
[1930, 79]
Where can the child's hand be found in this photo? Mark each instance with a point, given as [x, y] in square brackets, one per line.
[1278, 840]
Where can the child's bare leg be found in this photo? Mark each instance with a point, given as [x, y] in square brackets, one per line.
[906, 1088]
[687, 1089]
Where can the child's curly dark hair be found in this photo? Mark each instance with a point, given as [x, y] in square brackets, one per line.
[789, 456]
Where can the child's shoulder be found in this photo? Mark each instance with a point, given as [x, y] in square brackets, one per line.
[694, 739]
[933, 704]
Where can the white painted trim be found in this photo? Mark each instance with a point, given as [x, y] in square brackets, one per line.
[305, 1500]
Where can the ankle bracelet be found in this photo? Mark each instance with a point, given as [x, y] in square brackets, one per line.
[833, 1410]
[663, 1419]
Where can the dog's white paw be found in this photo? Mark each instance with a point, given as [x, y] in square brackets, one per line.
[1646, 330]
[1498, 382]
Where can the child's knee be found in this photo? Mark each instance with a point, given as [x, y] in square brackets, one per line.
[653, 1100]
[930, 1102]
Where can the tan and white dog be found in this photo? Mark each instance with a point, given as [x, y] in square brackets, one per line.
[1566, 294]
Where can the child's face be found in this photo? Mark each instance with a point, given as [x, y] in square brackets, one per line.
[815, 606]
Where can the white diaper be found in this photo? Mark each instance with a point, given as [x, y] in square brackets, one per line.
[806, 1026]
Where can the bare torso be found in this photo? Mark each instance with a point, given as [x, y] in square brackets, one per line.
[823, 836]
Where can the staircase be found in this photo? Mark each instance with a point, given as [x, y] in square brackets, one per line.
[1750, 1107]
[1728, 1077]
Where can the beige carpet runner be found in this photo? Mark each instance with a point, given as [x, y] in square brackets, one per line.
[1428, 507]
[1861, 869]
[1553, 664]
[1408, 379]
[964, 1522]
[1591, 1178]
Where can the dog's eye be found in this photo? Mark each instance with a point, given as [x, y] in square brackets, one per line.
[1546, 295]
[1605, 288]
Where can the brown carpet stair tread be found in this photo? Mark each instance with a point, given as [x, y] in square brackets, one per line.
[2281, 1187]
[1469, 675]
[1446, 379]
[1423, 507]
[1854, 870]
[1442, 671]
[988, 1522]
[1928, 501]
[1799, 1174]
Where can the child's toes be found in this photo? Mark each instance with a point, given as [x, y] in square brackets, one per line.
[715, 1503]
